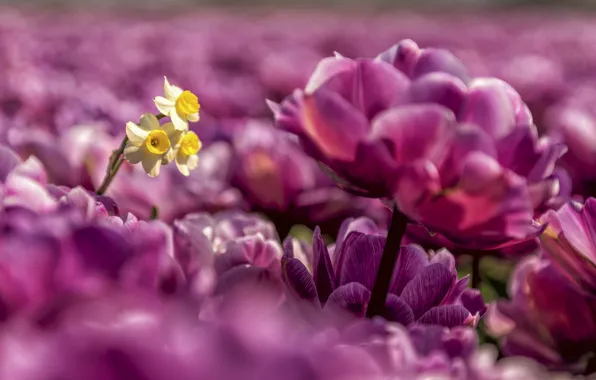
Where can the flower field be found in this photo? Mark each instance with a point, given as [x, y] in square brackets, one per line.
[297, 194]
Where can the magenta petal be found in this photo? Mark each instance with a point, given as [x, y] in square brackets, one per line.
[446, 315]
[361, 260]
[398, 310]
[102, 250]
[323, 274]
[411, 260]
[414, 132]
[335, 74]
[468, 138]
[403, 56]
[440, 88]
[433, 60]
[473, 301]
[333, 124]
[489, 107]
[378, 86]
[428, 288]
[456, 291]
[8, 161]
[352, 297]
[299, 280]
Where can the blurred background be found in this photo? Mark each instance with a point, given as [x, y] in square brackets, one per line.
[73, 72]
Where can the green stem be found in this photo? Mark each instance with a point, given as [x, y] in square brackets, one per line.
[116, 160]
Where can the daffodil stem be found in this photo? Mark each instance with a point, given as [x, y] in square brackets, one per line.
[397, 229]
[116, 160]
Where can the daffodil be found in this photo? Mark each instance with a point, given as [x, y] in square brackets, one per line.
[187, 147]
[180, 105]
[150, 143]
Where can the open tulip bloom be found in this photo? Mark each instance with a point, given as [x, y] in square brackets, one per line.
[459, 155]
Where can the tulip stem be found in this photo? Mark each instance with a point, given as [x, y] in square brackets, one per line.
[397, 229]
[475, 271]
[114, 164]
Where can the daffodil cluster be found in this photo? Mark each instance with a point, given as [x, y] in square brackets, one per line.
[153, 144]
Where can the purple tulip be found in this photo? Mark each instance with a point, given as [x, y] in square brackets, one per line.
[548, 318]
[280, 180]
[569, 242]
[411, 125]
[233, 248]
[424, 288]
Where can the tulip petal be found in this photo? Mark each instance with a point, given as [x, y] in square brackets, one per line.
[352, 298]
[333, 124]
[433, 60]
[440, 88]
[403, 56]
[428, 288]
[361, 260]
[323, 274]
[8, 161]
[411, 260]
[377, 87]
[489, 107]
[473, 301]
[446, 315]
[336, 74]
[398, 310]
[299, 280]
[414, 132]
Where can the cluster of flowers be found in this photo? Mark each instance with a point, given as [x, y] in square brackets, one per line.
[86, 292]
[90, 288]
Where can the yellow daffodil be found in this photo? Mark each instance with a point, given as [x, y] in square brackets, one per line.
[180, 105]
[187, 146]
[150, 143]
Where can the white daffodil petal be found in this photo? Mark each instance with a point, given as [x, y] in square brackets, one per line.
[151, 164]
[149, 122]
[179, 123]
[164, 106]
[181, 164]
[168, 157]
[192, 161]
[134, 154]
[169, 129]
[170, 91]
[193, 117]
[135, 133]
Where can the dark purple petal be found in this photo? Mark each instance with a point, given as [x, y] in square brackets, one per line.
[411, 260]
[322, 269]
[428, 288]
[446, 315]
[102, 249]
[473, 301]
[299, 280]
[361, 261]
[352, 298]
[398, 310]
